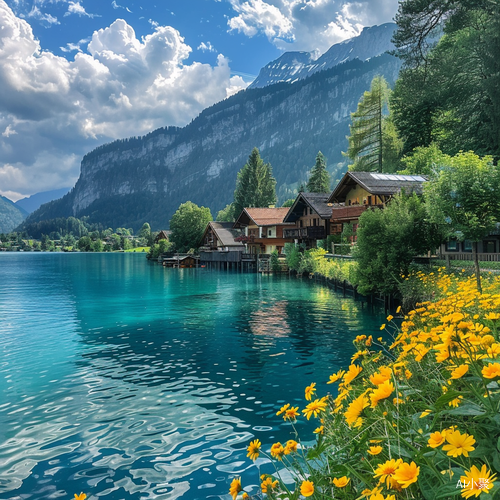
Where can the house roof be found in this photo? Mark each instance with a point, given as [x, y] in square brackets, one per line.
[377, 184]
[225, 233]
[317, 201]
[261, 216]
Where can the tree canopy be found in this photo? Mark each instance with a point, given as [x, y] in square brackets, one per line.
[388, 240]
[319, 181]
[374, 144]
[448, 92]
[187, 225]
[463, 198]
[255, 184]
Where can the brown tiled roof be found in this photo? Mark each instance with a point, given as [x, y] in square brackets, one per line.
[267, 216]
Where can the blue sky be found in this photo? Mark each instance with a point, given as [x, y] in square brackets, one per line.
[78, 73]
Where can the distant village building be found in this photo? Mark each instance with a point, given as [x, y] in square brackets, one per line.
[263, 229]
[310, 214]
[360, 191]
[221, 236]
[162, 235]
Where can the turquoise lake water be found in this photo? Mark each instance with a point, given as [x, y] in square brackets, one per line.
[125, 380]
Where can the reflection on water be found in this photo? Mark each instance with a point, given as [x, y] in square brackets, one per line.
[125, 380]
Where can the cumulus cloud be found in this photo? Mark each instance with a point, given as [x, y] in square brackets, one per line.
[206, 47]
[310, 25]
[119, 86]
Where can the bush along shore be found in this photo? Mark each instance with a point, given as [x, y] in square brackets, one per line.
[415, 418]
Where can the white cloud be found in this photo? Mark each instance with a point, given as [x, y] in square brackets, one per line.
[118, 86]
[77, 8]
[206, 47]
[45, 19]
[310, 25]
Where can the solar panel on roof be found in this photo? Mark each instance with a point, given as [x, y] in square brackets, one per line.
[397, 177]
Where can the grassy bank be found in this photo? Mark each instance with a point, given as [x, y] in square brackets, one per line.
[418, 418]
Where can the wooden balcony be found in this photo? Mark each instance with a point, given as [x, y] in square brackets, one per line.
[346, 214]
[305, 233]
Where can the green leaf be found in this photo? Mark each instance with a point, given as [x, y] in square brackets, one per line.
[446, 398]
[469, 409]
[448, 490]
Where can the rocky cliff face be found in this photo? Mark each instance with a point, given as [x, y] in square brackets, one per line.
[293, 66]
[145, 179]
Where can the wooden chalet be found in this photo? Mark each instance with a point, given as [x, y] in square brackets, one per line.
[220, 236]
[310, 214]
[263, 229]
[162, 235]
[360, 191]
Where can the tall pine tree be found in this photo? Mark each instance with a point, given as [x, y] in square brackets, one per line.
[373, 143]
[319, 181]
[255, 184]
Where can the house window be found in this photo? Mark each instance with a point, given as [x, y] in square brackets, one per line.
[467, 246]
[369, 200]
[300, 223]
[314, 222]
[489, 246]
[451, 246]
[269, 232]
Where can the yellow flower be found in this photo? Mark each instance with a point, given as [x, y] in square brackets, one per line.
[268, 484]
[235, 487]
[315, 408]
[355, 409]
[398, 310]
[360, 338]
[478, 481]
[381, 376]
[382, 327]
[310, 390]
[277, 451]
[291, 413]
[492, 370]
[307, 488]
[460, 371]
[375, 450]
[291, 447]
[492, 316]
[336, 376]
[494, 350]
[386, 470]
[390, 317]
[254, 449]
[341, 482]
[319, 430]
[406, 474]
[358, 354]
[352, 373]
[436, 439]
[383, 391]
[369, 341]
[459, 444]
[283, 409]
[425, 413]
[455, 402]
[81, 496]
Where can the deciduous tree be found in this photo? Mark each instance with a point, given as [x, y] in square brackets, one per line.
[463, 198]
[187, 225]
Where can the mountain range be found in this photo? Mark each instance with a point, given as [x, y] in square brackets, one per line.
[139, 179]
[10, 215]
[294, 66]
[33, 202]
